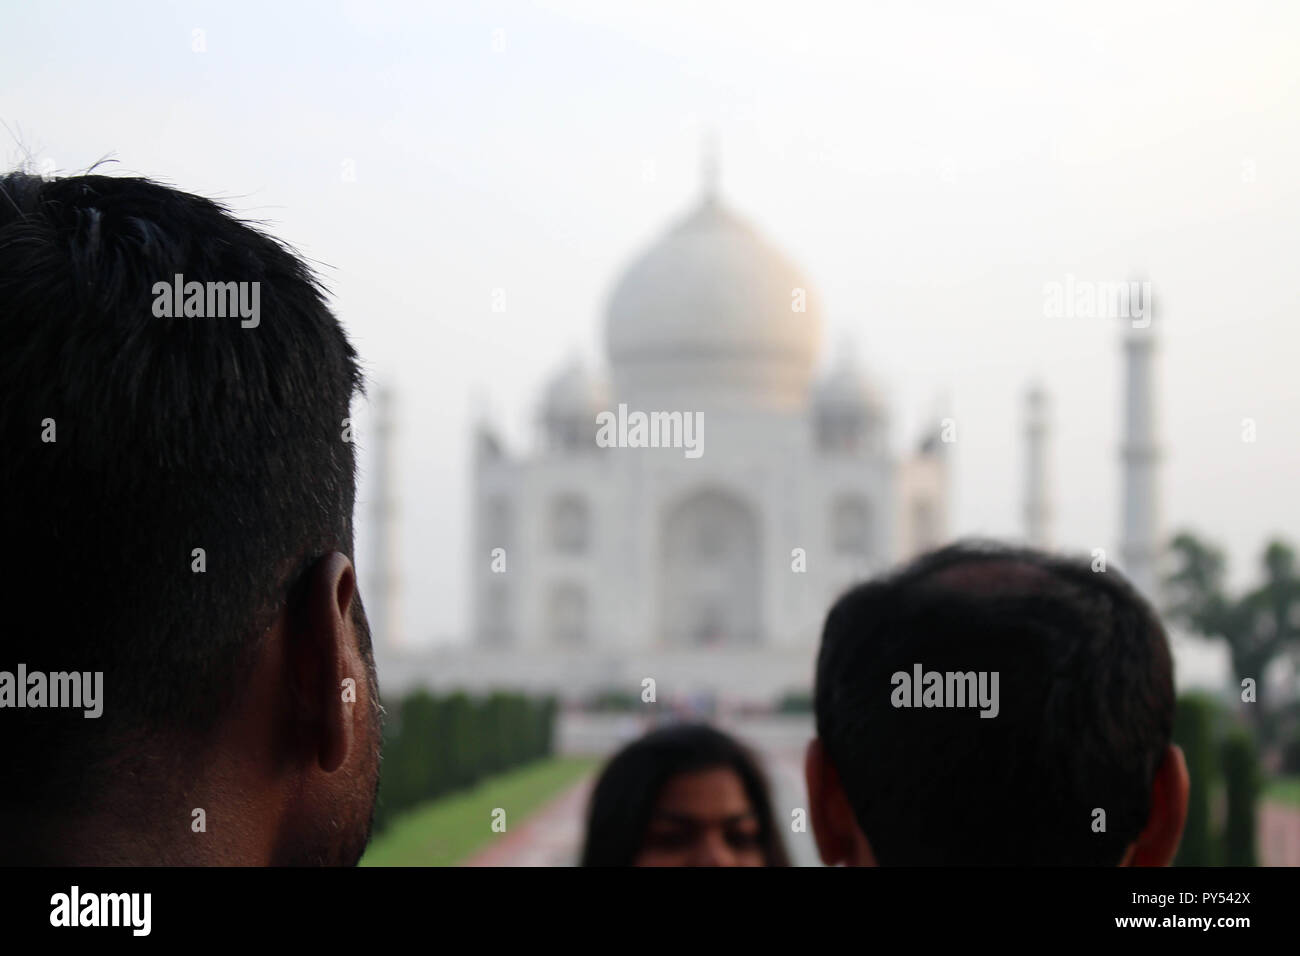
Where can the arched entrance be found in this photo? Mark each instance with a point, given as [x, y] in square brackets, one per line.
[710, 572]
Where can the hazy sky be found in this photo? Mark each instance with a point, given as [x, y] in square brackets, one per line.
[930, 167]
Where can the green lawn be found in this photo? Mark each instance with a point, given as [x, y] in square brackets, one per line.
[1283, 790]
[446, 832]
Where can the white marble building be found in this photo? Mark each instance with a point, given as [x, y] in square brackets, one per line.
[711, 570]
[595, 567]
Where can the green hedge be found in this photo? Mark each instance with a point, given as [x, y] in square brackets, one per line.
[1194, 732]
[436, 744]
[1222, 759]
[795, 702]
[1242, 782]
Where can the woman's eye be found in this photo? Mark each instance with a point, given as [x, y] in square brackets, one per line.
[670, 839]
[742, 840]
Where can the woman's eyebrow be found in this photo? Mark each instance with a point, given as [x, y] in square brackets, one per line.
[669, 816]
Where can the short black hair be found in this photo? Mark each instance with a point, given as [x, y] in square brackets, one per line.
[169, 435]
[625, 795]
[1085, 712]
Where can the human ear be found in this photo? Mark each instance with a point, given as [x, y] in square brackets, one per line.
[1158, 842]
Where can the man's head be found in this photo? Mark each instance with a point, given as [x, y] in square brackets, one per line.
[177, 503]
[988, 705]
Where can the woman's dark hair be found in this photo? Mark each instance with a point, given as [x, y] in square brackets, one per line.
[629, 787]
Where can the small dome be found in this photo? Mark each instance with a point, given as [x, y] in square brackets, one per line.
[573, 391]
[849, 416]
[567, 414]
[847, 387]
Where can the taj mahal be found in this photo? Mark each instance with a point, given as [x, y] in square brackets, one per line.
[706, 564]
[690, 510]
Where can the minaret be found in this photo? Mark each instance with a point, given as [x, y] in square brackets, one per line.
[1038, 513]
[1140, 547]
[382, 609]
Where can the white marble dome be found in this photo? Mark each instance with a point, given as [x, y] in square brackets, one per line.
[711, 305]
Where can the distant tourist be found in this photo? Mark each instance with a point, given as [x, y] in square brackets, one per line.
[195, 684]
[993, 705]
[684, 795]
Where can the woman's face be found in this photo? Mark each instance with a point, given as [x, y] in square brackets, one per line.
[703, 819]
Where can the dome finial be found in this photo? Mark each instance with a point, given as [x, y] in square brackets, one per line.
[710, 165]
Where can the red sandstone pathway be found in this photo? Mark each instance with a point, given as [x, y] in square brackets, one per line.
[1279, 835]
[550, 837]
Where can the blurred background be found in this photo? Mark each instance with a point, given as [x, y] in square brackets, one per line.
[904, 273]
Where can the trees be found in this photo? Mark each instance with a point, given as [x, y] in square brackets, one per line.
[1257, 626]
